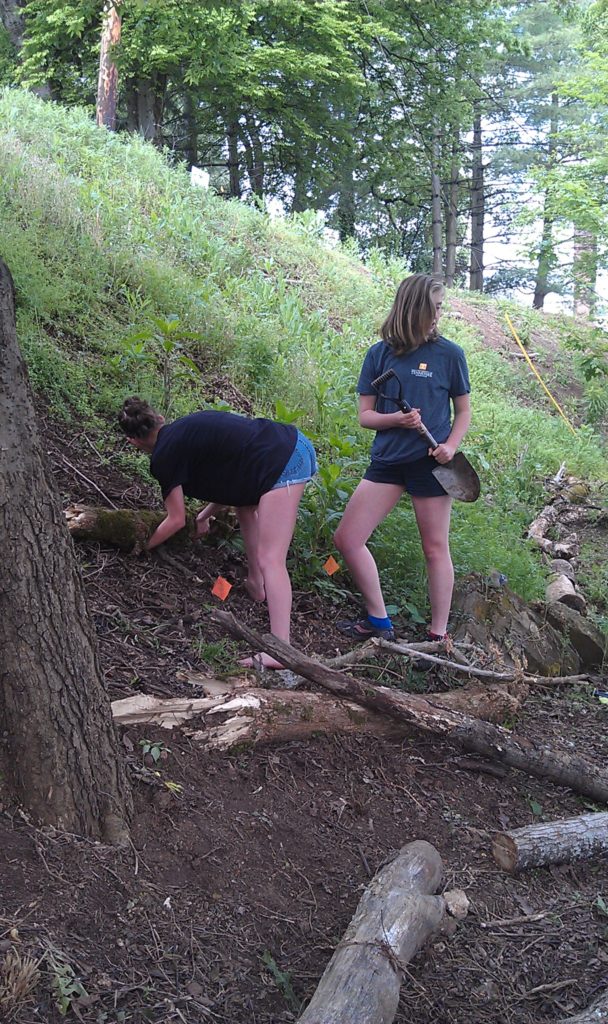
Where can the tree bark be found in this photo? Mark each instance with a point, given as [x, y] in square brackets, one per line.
[396, 915]
[451, 217]
[64, 763]
[597, 1013]
[584, 272]
[469, 733]
[477, 207]
[11, 19]
[546, 255]
[255, 716]
[234, 171]
[127, 528]
[552, 842]
[437, 226]
[107, 85]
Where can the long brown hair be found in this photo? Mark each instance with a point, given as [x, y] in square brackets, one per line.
[410, 321]
[137, 418]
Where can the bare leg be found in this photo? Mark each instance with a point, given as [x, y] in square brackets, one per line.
[247, 516]
[433, 519]
[276, 522]
[369, 505]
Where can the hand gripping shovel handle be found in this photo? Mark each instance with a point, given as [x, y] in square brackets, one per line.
[403, 404]
[457, 477]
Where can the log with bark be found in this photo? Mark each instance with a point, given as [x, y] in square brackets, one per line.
[596, 1013]
[127, 528]
[247, 715]
[470, 733]
[396, 915]
[551, 842]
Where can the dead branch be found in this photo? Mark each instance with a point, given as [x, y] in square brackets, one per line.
[471, 734]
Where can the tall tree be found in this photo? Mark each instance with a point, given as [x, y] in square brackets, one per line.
[64, 763]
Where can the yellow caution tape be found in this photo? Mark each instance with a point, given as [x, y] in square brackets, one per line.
[534, 370]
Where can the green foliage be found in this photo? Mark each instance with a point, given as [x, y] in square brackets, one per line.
[159, 348]
[67, 989]
[282, 980]
[156, 749]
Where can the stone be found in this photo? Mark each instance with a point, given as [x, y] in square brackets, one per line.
[581, 633]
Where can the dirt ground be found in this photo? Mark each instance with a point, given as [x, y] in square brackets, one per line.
[244, 872]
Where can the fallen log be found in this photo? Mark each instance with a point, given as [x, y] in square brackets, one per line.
[597, 1013]
[562, 589]
[396, 915]
[128, 528]
[551, 842]
[469, 733]
[255, 716]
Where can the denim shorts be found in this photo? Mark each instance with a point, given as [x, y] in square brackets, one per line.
[416, 477]
[302, 464]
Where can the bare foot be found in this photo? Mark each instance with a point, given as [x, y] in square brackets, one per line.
[265, 660]
[255, 589]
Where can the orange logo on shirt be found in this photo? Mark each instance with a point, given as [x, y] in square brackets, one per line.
[422, 366]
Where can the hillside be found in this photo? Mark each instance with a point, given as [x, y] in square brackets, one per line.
[245, 867]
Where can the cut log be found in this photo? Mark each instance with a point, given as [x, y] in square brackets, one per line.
[561, 589]
[395, 917]
[552, 842]
[597, 1013]
[469, 733]
[256, 716]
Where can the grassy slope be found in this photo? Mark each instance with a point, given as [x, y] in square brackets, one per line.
[102, 235]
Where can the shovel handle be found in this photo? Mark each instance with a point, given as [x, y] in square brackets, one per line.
[428, 437]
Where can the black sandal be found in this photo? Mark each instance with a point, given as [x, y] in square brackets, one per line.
[362, 629]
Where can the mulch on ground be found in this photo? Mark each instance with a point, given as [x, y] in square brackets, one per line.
[244, 872]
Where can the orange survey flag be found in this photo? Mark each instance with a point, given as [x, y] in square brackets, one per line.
[331, 566]
[221, 588]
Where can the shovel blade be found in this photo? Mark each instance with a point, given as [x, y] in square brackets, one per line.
[458, 478]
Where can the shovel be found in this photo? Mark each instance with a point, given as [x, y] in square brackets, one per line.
[457, 477]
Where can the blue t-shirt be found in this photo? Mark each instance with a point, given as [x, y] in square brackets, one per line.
[430, 376]
[219, 456]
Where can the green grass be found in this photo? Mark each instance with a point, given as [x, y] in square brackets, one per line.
[104, 236]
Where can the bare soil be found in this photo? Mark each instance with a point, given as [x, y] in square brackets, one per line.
[239, 884]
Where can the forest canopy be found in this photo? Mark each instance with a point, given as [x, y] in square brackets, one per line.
[430, 131]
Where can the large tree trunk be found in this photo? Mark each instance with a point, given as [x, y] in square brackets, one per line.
[396, 915]
[584, 271]
[545, 254]
[481, 737]
[451, 216]
[233, 162]
[11, 19]
[64, 763]
[437, 226]
[478, 200]
[551, 842]
[107, 85]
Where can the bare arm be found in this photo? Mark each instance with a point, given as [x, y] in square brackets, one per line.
[368, 417]
[175, 519]
[203, 519]
[462, 419]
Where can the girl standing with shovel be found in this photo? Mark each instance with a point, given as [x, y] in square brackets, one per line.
[415, 362]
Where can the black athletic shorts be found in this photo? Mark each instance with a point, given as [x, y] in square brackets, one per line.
[416, 477]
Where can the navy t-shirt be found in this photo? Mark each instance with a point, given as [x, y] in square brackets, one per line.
[430, 376]
[222, 457]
